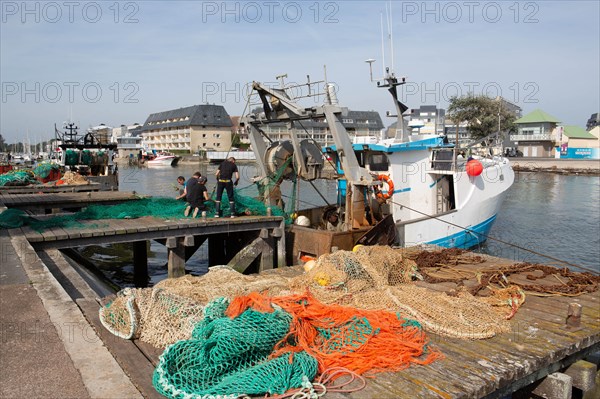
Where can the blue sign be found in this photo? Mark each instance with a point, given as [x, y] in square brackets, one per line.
[579, 153]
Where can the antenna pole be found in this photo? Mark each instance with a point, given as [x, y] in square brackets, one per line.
[391, 36]
[382, 48]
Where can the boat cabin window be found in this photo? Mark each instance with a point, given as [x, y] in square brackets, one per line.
[378, 162]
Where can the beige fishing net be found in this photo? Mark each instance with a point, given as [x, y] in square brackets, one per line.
[372, 278]
[168, 312]
[72, 178]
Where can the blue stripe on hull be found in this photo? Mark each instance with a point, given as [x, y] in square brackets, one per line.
[468, 238]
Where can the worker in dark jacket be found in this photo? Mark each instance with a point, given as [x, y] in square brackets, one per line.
[227, 177]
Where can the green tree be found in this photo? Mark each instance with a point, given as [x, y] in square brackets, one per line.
[235, 140]
[481, 114]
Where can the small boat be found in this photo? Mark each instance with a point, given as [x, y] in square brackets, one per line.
[164, 159]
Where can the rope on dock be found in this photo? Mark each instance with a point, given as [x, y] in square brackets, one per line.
[485, 236]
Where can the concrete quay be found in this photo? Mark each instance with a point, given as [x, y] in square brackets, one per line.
[554, 165]
[47, 348]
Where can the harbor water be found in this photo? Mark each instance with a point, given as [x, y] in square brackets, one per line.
[545, 218]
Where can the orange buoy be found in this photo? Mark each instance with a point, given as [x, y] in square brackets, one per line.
[474, 167]
[390, 190]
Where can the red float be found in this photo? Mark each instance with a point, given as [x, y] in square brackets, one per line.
[474, 167]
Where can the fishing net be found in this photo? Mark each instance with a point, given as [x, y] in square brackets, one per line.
[158, 207]
[268, 345]
[230, 357]
[246, 205]
[72, 157]
[154, 316]
[231, 334]
[17, 178]
[44, 169]
[166, 313]
[86, 157]
[72, 178]
[379, 277]
[13, 218]
[372, 278]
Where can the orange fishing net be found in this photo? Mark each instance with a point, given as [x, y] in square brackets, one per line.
[338, 336]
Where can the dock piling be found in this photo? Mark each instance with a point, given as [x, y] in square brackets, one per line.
[140, 263]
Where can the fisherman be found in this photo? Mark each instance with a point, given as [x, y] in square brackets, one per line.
[226, 171]
[181, 188]
[331, 218]
[189, 187]
[197, 196]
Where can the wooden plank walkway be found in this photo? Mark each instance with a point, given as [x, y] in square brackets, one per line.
[112, 231]
[47, 202]
[64, 188]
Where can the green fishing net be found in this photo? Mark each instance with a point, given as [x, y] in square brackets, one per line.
[159, 207]
[230, 357]
[72, 157]
[12, 218]
[44, 169]
[17, 178]
[86, 157]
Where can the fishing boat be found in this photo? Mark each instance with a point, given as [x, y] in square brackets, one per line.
[87, 155]
[163, 159]
[407, 190]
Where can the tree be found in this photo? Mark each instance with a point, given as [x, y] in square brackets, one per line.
[235, 140]
[481, 114]
[2, 144]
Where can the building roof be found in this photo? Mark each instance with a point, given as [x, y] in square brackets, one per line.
[576, 132]
[195, 115]
[537, 116]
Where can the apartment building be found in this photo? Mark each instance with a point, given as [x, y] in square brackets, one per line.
[186, 130]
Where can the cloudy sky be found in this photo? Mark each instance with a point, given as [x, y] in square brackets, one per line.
[116, 62]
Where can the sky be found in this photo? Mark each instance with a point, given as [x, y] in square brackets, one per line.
[115, 63]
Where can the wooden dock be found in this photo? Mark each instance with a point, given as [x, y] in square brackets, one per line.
[540, 349]
[47, 189]
[249, 242]
[46, 202]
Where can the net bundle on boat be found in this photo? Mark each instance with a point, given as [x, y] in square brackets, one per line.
[17, 178]
[43, 170]
[268, 345]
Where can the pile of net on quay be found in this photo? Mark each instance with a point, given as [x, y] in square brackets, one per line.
[230, 334]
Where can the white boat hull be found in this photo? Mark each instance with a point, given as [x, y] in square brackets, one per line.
[478, 200]
[163, 161]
